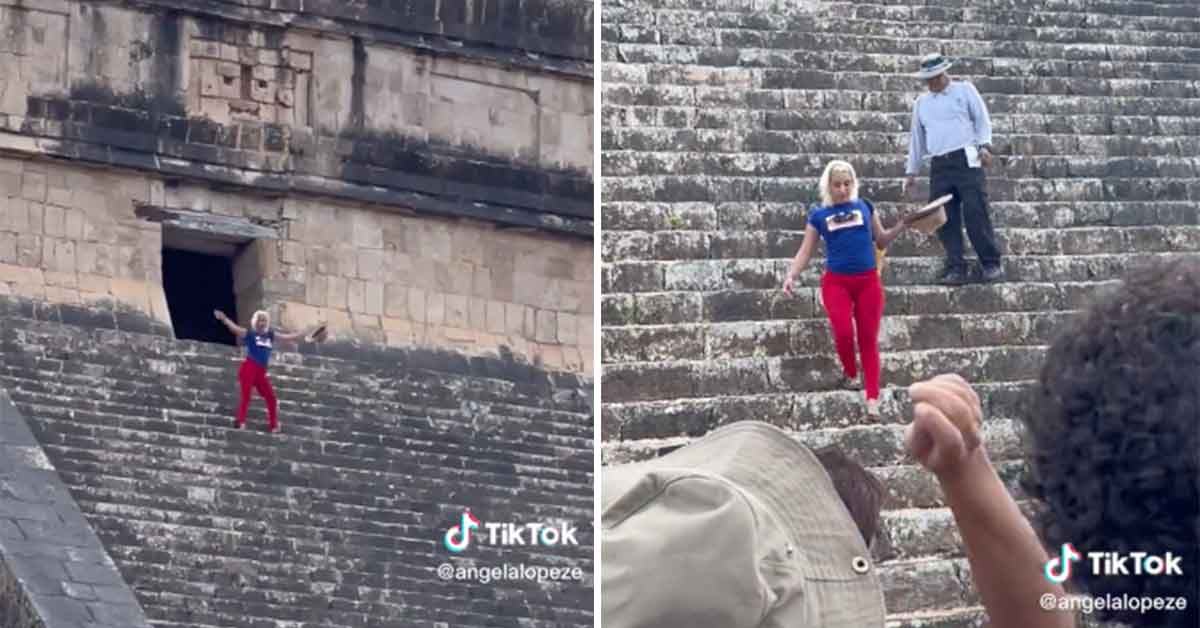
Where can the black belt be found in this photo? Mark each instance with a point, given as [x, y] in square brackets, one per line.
[962, 152]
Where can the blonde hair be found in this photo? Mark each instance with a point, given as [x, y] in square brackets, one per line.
[262, 313]
[837, 166]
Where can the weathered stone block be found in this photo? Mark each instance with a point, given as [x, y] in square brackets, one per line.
[356, 296]
[435, 308]
[457, 311]
[546, 326]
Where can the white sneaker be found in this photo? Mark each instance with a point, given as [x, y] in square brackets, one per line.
[872, 407]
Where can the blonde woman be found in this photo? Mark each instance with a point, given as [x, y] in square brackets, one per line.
[850, 287]
[259, 341]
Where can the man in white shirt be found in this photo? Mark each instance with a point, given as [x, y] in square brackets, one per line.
[950, 125]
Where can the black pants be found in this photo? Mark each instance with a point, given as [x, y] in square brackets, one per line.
[950, 174]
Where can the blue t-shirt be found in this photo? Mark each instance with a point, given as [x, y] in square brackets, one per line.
[846, 229]
[258, 346]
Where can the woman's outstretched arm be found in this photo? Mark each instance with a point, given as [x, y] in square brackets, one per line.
[800, 262]
[298, 335]
[233, 327]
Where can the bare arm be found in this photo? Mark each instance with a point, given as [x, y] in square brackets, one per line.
[884, 237]
[1002, 548]
[800, 262]
[298, 335]
[233, 327]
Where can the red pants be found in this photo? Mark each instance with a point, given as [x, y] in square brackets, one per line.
[251, 375]
[855, 302]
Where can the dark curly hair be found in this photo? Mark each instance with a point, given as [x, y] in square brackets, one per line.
[1113, 430]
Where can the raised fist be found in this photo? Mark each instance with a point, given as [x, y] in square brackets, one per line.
[947, 418]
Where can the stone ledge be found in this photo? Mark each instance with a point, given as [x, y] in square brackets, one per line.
[133, 132]
[53, 563]
[560, 42]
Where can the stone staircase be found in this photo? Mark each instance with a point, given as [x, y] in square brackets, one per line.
[335, 521]
[717, 121]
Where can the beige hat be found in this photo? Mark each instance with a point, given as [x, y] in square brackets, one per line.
[931, 217]
[742, 528]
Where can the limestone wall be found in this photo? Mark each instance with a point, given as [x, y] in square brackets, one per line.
[410, 189]
[70, 235]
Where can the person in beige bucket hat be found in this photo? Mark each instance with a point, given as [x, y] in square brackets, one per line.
[748, 528]
[742, 528]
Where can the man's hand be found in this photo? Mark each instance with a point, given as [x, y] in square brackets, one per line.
[788, 284]
[985, 157]
[219, 315]
[910, 186]
[947, 416]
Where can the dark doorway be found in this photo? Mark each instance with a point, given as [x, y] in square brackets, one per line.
[196, 284]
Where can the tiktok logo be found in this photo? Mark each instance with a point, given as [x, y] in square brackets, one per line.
[1058, 570]
[459, 537]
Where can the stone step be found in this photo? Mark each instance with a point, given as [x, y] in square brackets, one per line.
[336, 404]
[725, 217]
[795, 338]
[790, 14]
[234, 460]
[308, 519]
[197, 532]
[767, 274]
[691, 306]
[913, 487]
[768, 69]
[882, 145]
[655, 381]
[628, 246]
[1007, 172]
[415, 367]
[333, 582]
[773, 79]
[299, 379]
[992, 59]
[194, 608]
[747, 66]
[817, 119]
[811, 410]
[1053, 15]
[312, 567]
[873, 445]
[163, 415]
[927, 585]
[687, 42]
[298, 488]
[908, 485]
[351, 480]
[857, 106]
